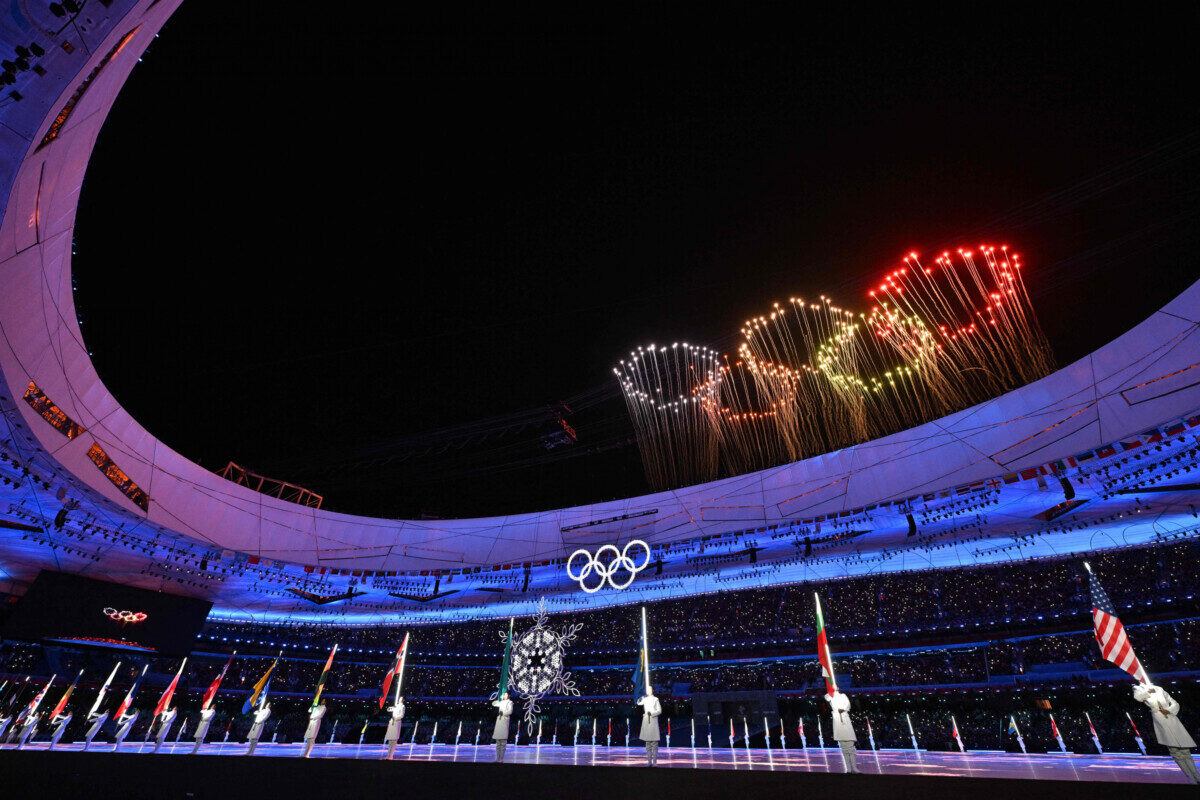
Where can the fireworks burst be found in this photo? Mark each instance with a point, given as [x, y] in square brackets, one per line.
[810, 377]
[669, 391]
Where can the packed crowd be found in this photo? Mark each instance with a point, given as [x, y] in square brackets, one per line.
[929, 605]
[1167, 647]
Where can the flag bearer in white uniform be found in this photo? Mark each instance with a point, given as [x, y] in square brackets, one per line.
[124, 726]
[165, 721]
[504, 707]
[651, 709]
[393, 729]
[206, 716]
[314, 727]
[261, 715]
[1167, 728]
[843, 730]
[62, 721]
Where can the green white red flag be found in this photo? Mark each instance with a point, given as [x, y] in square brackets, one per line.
[506, 664]
[823, 654]
[321, 681]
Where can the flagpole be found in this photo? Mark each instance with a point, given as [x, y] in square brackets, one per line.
[645, 653]
[1136, 734]
[1095, 736]
[104, 690]
[400, 676]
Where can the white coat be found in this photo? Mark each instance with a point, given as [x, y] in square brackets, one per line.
[651, 709]
[165, 721]
[314, 722]
[125, 724]
[505, 707]
[97, 722]
[843, 730]
[62, 721]
[205, 720]
[1165, 710]
[261, 716]
[393, 728]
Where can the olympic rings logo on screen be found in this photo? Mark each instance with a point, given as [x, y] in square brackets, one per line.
[125, 616]
[605, 569]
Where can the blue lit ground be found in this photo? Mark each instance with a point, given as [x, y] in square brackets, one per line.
[1119, 767]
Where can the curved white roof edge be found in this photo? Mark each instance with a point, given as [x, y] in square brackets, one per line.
[1146, 376]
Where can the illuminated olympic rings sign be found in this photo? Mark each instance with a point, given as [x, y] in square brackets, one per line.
[125, 616]
[605, 569]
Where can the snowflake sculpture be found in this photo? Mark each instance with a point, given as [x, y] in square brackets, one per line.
[537, 663]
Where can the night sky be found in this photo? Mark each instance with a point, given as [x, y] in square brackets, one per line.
[304, 241]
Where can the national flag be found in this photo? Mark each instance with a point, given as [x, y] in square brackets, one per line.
[954, 728]
[1012, 726]
[397, 669]
[1110, 633]
[128, 701]
[62, 703]
[164, 702]
[321, 681]
[1091, 727]
[1054, 729]
[32, 708]
[823, 654]
[104, 690]
[252, 700]
[506, 662]
[1136, 732]
[641, 673]
[211, 693]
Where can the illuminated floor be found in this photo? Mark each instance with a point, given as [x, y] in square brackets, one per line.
[1115, 767]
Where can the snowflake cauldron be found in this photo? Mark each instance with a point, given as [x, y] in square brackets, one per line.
[537, 663]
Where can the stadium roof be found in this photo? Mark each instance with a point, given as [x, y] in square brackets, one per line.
[70, 434]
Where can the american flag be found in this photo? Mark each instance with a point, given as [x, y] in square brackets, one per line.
[1110, 633]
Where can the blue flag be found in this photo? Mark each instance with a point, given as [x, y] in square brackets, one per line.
[259, 688]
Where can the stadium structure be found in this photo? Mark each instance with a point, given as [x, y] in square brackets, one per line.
[1096, 460]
